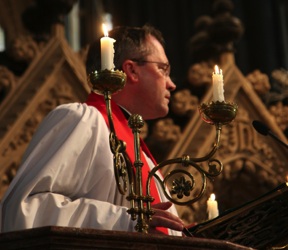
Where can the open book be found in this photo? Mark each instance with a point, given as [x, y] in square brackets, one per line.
[261, 223]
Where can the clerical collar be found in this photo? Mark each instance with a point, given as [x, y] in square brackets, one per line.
[126, 113]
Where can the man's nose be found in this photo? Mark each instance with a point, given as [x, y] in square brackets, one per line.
[170, 84]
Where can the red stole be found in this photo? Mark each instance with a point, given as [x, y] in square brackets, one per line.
[124, 132]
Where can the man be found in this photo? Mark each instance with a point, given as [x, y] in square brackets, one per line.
[67, 174]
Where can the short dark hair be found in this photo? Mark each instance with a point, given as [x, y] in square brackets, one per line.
[130, 44]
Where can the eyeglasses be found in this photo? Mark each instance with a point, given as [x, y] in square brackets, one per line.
[164, 67]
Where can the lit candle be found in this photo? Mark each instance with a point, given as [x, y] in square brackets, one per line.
[212, 207]
[107, 50]
[218, 85]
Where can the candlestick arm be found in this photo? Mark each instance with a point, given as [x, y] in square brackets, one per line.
[179, 185]
[105, 83]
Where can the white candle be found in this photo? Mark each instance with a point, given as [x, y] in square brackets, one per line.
[107, 51]
[212, 207]
[218, 85]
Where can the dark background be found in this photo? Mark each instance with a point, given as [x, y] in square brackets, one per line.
[263, 46]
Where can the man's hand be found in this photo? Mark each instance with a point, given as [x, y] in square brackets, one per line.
[163, 218]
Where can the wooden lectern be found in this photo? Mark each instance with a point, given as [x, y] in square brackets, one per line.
[261, 223]
[67, 238]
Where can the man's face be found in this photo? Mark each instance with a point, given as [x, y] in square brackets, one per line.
[154, 84]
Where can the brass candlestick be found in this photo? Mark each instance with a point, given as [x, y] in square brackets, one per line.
[177, 185]
[220, 113]
[106, 83]
[181, 181]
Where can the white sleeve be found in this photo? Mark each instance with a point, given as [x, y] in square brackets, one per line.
[67, 176]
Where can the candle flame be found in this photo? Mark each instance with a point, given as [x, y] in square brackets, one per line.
[212, 197]
[105, 30]
[216, 68]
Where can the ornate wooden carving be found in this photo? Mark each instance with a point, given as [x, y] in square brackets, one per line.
[260, 224]
[55, 75]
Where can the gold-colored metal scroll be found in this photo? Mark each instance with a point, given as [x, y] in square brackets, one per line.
[179, 183]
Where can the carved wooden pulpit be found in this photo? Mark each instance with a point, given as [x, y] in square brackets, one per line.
[67, 238]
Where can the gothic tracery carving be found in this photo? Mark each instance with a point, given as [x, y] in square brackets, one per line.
[23, 48]
[199, 74]
[165, 130]
[259, 81]
[7, 82]
[58, 94]
[280, 113]
[184, 103]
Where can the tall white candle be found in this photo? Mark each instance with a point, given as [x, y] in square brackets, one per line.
[107, 50]
[212, 207]
[218, 85]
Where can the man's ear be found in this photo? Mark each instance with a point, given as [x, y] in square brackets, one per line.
[131, 70]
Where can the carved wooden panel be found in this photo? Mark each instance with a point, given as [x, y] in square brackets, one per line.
[55, 76]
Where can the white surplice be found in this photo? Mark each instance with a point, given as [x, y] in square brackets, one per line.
[67, 177]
